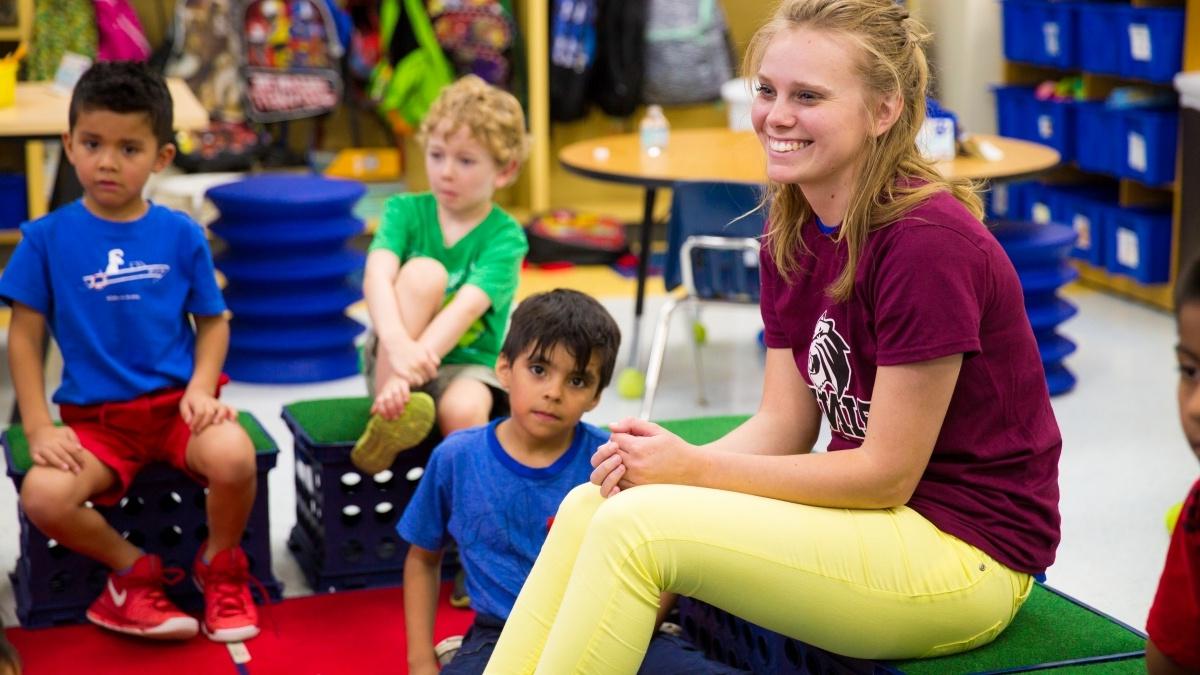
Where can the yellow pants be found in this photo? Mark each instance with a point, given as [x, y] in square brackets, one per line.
[877, 584]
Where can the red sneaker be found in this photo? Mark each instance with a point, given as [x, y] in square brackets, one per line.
[134, 603]
[229, 611]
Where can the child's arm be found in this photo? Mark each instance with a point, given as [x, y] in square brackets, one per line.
[408, 359]
[199, 405]
[447, 328]
[422, 572]
[48, 445]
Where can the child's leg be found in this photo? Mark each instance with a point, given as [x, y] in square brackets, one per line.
[466, 403]
[224, 455]
[420, 293]
[868, 584]
[53, 500]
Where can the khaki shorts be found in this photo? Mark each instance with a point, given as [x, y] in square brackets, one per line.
[446, 374]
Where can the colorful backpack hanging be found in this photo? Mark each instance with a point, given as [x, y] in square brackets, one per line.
[412, 69]
[120, 32]
[290, 56]
[572, 56]
[478, 36]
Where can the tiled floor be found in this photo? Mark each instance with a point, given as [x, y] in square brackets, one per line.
[1124, 461]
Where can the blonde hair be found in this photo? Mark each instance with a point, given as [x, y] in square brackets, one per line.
[894, 177]
[492, 116]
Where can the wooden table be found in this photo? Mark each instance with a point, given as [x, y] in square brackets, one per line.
[40, 114]
[736, 157]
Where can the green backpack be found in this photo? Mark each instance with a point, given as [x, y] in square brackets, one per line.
[412, 69]
[60, 26]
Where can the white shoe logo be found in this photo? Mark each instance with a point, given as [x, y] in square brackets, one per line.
[117, 598]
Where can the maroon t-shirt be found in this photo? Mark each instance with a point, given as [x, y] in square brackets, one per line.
[933, 284]
[1174, 623]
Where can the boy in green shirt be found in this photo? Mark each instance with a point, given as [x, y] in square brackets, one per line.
[440, 277]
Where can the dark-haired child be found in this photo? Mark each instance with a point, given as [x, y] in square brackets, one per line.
[115, 278]
[1174, 624]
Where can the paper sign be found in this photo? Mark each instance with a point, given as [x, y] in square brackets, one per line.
[1127, 248]
[1083, 231]
[1137, 152]
[71, 67]
[1139, 42]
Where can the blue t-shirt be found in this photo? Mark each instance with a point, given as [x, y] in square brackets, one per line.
[116, 297]
[496, 508]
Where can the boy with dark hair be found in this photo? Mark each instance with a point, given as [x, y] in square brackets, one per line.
[493, 489]
[114, 278]
[1174, 623]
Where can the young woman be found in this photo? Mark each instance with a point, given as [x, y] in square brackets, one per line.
[891, 313]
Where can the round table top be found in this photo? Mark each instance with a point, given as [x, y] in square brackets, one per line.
[720, 154]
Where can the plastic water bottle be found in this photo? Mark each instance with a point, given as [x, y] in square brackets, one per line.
[654, 131]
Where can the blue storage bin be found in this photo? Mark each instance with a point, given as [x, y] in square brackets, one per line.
[1053, 124]
[1100, 27]
[1097, 137]
[1041, 31]
[1148, 145]
[1015, 112]
[1039, 204]
[14, 203]
[1138, 244]
[1152, 43]
[1088, 214]
[1006, 201]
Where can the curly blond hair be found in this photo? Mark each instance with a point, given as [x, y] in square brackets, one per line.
[492, 116]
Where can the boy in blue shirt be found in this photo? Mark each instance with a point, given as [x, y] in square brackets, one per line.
[494, 489]
[115, 278]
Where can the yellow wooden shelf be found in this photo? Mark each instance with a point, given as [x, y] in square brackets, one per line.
[1158, 295]
[10, 237]
[10, 33]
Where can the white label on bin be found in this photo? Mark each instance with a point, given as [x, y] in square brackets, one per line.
[1127, 248]
[1041, 213]
[1000, 200]
[1139, 42]
[1045, 126]
[1137, 152]
[1083, 231]
[1050, 38]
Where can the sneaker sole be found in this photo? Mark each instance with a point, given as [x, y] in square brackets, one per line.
[383, 440]
[179, 628]
[231, 634]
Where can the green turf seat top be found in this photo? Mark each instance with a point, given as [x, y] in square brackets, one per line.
[18, 443]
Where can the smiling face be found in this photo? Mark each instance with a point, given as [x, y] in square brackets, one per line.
[1187, 352]
[113, 155]
[810, 110]
[548, 394]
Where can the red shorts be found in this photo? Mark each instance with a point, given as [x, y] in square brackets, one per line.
[127, 435]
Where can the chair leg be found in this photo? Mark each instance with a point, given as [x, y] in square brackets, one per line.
[658, 350]
[701, 399]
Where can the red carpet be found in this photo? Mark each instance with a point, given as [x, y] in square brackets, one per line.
[333, 634]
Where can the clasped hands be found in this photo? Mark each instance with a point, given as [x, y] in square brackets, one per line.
[641, 453]
[412, 364]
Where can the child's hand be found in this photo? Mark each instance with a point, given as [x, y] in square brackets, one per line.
[414, 362]
[58, 447]
[392, 398]
[201, 410]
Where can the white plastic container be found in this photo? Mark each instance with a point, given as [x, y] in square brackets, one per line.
[738, 94]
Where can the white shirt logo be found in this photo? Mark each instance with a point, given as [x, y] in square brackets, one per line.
[118, 272]
[118, 598]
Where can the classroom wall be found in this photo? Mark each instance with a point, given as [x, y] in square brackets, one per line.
[967, 57]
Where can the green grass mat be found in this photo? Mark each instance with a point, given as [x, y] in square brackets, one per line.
[341, 420]
[1135, 666]
[1048, 629]
[18, 443]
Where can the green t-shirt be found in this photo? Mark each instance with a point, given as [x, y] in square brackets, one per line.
[488, 257]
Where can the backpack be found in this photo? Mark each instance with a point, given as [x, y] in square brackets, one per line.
[412, 69]
[120, 32]
[620, 56]
[572, 56]
[478, 36]
[59, 26]
[291, 59]
[688, 56]
[579, 238]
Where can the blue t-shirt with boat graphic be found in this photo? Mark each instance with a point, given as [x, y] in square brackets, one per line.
[116, 296]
